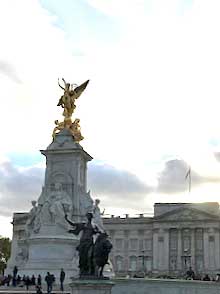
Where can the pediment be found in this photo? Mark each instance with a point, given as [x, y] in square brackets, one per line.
[186, 214]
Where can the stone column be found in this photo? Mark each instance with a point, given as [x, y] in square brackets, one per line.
[193, 248]
[212, 247]
[217, 248]
[166, 250]
[206, 249]
[179, 251]
[126, 251]
[155, 249]
[91, 286]
[163, 250]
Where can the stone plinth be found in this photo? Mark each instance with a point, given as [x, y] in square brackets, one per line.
[91, 286]
[41, 241]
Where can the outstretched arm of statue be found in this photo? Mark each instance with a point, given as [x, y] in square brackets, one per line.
[64, 81]
[77, 227]
[60, 85]
[69, 221]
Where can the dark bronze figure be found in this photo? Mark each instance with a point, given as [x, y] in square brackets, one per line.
[102, 248]
[86, 245]
[92, 255]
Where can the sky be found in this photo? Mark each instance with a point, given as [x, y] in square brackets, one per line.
[150, 110]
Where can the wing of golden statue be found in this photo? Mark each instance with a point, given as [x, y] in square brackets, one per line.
[78, 90]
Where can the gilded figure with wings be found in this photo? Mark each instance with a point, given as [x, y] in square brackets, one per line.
[67, 100]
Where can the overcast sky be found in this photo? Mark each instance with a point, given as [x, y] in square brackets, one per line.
[151, 108]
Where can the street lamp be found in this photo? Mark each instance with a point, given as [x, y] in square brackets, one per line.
[186, 257]
[143, 261]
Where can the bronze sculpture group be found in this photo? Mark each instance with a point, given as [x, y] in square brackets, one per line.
[93, 255]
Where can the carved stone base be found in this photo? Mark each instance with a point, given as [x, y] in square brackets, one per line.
[50, 254]
[91, 286]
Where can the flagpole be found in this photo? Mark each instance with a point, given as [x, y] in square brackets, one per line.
[190, 181]
[188, 174]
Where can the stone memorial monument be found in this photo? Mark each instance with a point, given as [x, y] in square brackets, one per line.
[41, 240]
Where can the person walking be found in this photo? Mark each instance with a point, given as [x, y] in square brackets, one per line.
[33, 280]
[62, 278]
[27, 282]
[39, 280]
[14, 279]
[49, 280]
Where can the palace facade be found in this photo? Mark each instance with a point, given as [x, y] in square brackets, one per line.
[178, 236]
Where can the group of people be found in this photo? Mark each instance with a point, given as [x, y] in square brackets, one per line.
[190, 275]
[28, 281]
[21, 281]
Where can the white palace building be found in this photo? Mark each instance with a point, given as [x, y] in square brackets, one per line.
[178, 236]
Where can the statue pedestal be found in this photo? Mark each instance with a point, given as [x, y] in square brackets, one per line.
[41, 242]
[91, 286]
[50, 254]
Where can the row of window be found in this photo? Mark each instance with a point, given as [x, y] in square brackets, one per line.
[133, 244]
[146, 244]
[186, 239]
[186, 262]
[135, 263]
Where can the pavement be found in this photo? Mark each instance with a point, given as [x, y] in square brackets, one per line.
[32, 289]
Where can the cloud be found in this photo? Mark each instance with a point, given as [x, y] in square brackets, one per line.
[18, 187]
[9, 70]
[116, 187]
[217, 156]
[173, 177]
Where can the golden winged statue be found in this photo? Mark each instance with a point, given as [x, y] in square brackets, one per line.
[67, 100]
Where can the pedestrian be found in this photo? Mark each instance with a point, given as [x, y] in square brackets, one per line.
[39, 280]
[49, 280]
[15, 271]
[8, 280]
[33, 280]
[62, 278]
[18, 280]
[27, 282]
[14, 279]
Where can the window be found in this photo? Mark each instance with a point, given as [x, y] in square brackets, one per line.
[211, 238]
[173, 239]
[199, 239]
[133, 243]
[147, 244]
[186, 241]
[199, 244]
[118, 243]
[133, 263]
[173, 263]
[160, 239]
[199, 263]
[119, 263]
[141, 244]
